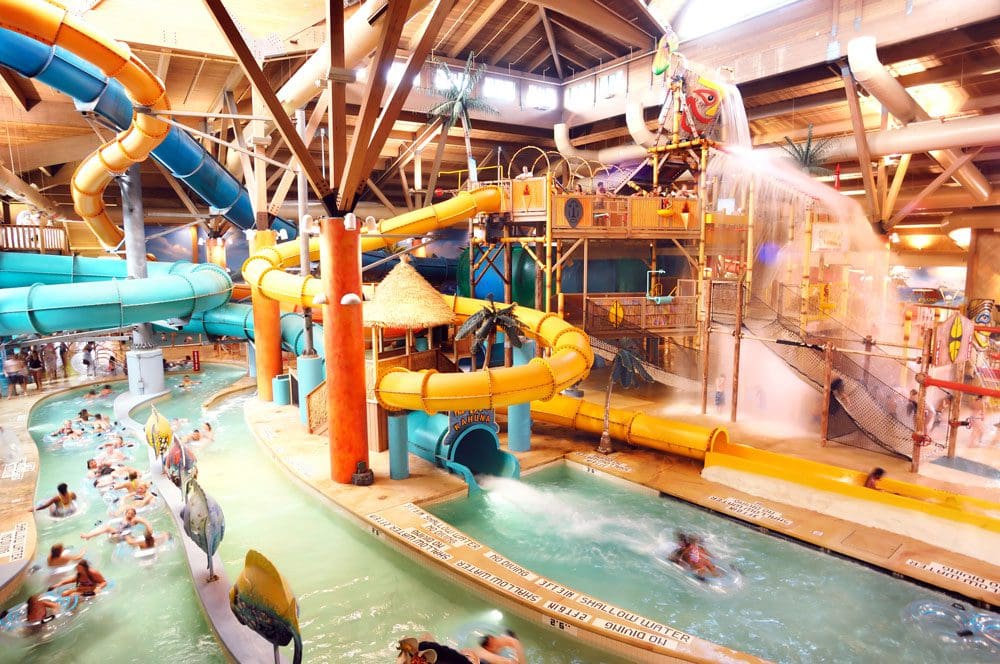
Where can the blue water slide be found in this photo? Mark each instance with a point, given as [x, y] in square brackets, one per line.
[179, 153]
[41, 294]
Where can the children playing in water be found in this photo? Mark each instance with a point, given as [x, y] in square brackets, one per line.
[118, 527]
[871, 482]
[105, 391]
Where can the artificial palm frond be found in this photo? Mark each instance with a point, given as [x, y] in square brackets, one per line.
[809, 155]
[484, 325]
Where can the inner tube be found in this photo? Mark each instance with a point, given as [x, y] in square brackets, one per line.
[14, 621]
[729, 580]
[57, 511]
[164, 542]
[956, 624]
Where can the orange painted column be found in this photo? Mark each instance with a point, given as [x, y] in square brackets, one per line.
[266, 328]
[344, 341]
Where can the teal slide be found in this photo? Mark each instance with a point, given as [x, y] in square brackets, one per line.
[42, 294]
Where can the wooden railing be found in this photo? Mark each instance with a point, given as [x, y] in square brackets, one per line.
[47, 239]
[630, 313]
[625, 215]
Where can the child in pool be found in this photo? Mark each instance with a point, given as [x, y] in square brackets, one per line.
[38, 609]
[58, 556]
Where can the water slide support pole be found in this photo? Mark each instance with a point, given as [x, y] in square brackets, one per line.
[145, 363]
[519, 415]
[267, 327]
[343, 330]
[399, 450]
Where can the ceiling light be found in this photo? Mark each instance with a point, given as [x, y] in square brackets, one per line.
[939, 99]
[920, 242]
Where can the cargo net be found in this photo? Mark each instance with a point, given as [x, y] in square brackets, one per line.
[682, 362]
[868, 409]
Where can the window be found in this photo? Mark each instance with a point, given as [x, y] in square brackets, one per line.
[502, 89]
[396, 70]
[702, 18]
[611, 84]
[580, 95]
[444, 80]
[541, 97]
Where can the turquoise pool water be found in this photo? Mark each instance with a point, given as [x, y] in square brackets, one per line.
[357, 596]
[796, 604]
[152, 613]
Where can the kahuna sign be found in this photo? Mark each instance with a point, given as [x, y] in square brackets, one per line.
[461, 420]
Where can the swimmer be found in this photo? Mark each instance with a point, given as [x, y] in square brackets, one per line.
[86, 581]
[491, 646]
[91, 395]
[115, 442]
[105, 391]
[95, 469]
[193, 437]
[82, 416]
[208, 434]
[693, 556]
[187, 383]
[871, 482]
[141, 498]
[101, 424]
[38, 609]
[58, 557]
[61, 504]
[132, 485]
[410, 648]
[66, 428]
[129, 520]
[147, 541]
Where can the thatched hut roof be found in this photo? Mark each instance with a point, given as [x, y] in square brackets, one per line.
[405, 299]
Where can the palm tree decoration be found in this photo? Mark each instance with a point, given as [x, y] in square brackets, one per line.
[626, 370]
[459, 99]
[809, 155]
[484, 326]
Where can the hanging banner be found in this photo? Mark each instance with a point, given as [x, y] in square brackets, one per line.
[829, 237]
[196, 360]
[953, 341]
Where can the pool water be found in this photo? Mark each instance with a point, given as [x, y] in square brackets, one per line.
[357, 596]
[795, 605]
[151, 610]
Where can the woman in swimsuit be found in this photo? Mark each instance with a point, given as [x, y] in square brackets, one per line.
[62, 504]
[88, 581]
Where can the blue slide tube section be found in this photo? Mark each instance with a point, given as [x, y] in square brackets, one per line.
[179, 153]
[41, 294]
[181, 292]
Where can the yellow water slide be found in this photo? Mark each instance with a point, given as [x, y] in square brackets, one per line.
[631, 426]
[52, 24]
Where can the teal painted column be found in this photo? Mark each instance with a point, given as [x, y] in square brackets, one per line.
[311, 373]
[251, 360]
[519, 415]
[281, 387]
[399, 448]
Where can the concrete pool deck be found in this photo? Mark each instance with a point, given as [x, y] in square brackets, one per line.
[391, 511]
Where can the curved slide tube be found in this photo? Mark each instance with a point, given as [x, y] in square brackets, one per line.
[631, 426]
[265, 269]
[52, 24]
[180, 154]
[40, 309]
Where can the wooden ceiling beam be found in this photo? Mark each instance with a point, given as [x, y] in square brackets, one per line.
[515, 39]
[270, 99]
[552, 41]
[543, 56]
[18, 88]
[585, 33]
[418, 55]
[475, 27]
[389, 35]
[593, 13]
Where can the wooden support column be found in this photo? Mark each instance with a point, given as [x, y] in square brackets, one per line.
[742, 285]
[824, 423]
[508, 289]
[706, 345]
[340, 272]
[260, 141]
[289, 174]
[932, 187]
[897, 183]
[806, 277]
[920, 421]
[336, 127]
[956, 409]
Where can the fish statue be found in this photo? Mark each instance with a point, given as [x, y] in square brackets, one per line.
[159, 434]
[180, 463]
[203, 522]
[262, 600]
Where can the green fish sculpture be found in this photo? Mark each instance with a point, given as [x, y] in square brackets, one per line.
[262, 600]
[203, 522]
